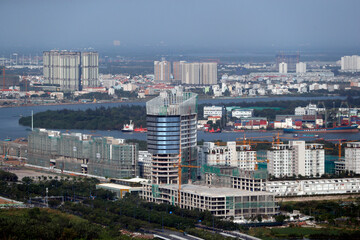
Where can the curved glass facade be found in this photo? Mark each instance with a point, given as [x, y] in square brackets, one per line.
[163, 134]
[171, 121]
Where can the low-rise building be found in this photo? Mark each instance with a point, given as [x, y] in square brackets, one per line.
[314, 186]
[222, 202]
[242, 113]
[211, 111]
[122, 186]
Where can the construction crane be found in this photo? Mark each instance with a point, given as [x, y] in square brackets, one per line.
[180, 166]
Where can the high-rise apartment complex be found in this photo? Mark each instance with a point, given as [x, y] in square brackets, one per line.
[352, 157]
[283, 67]
[177, 73]
[195, 73]
[350, 63]
[228, 154]
[171, 121]
[204, 73]
[208, 73]
[301, 67]
[89, 69]
[162, 71]
[296, 158]
[70, 71]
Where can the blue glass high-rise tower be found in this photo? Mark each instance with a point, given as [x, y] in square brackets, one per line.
[171, 121]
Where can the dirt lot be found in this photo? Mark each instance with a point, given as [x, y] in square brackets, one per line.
[3, 201]
[22, 172]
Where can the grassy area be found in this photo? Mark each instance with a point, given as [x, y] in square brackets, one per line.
[38, 223]
[303, 232]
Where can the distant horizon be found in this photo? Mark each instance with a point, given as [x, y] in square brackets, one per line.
[157, 52]
[170, 27]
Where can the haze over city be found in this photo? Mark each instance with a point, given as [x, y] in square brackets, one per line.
[180, 119]
[175, 26]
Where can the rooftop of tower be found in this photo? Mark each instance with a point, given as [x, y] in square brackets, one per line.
[172, 103]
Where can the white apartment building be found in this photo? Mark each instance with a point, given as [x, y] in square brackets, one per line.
[310, 109]
[283, 68]
[301, 67]
[352, 157]
[296, 158]
[242, 113]
[144, 162]
[211, 111]
[350, 63]
[228, 154]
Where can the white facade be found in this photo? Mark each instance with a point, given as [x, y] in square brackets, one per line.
[314, 187]
[242, 113]
[352, 157]
[213, 111]
[296, 158]
[231, 154]
[310, 109]
[144, 162]
[283, 68]
[301, 67]
[350, 63]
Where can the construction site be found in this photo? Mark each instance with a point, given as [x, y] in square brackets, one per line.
[82, 154]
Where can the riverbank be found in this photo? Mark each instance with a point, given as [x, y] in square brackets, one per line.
[200, 101]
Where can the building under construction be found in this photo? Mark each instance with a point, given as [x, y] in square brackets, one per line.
[8, 79]
[220, 201]
[171, 123]
[81, 153]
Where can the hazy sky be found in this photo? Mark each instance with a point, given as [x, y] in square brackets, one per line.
[277, 24]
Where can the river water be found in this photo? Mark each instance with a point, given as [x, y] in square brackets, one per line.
[10, 128]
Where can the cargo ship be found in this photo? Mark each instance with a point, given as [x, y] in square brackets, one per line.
[338, 129]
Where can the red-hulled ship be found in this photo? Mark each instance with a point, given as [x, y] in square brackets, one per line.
[338, 129]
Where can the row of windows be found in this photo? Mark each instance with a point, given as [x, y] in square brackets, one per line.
[163, 142]
[166, 138]
[156, 124]
[163, 119]
[162, 147]
[163, 129]
[163, 133]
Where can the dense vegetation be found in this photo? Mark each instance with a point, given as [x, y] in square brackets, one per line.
[35, 223]
[98, 207]
[114, 118]
[336, 213]
[100, 216]
[98, 119]
[294, 232]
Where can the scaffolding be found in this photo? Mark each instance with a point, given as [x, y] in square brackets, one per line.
[76, 152]
[169, 103]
